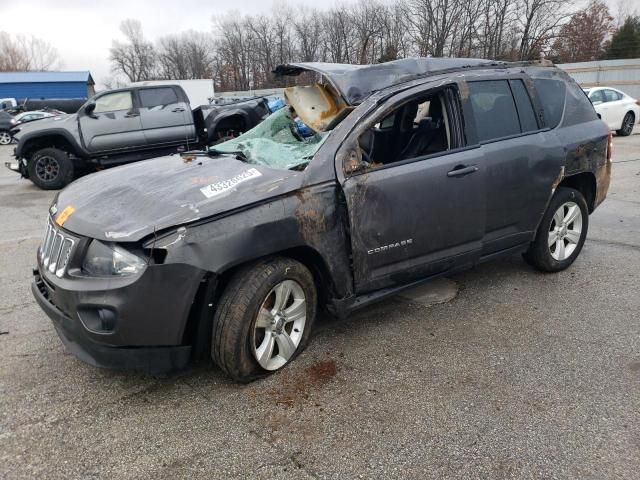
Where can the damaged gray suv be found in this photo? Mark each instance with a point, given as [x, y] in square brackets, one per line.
[408, 170]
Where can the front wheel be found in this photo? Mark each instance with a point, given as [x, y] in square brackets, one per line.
[561, 233]
[263, 319]
[627, 125]
[50, 169]
[5, 137]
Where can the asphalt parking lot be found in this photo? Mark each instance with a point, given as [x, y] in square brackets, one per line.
[520, 375]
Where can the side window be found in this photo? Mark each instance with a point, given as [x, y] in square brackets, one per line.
[611, 95]
[157, 97]
[113, 102]
[597, 97]
[551, 94]
[494, 109]
[578, 108]
[528, 122]
[417, 128]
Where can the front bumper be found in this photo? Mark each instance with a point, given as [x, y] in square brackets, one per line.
[154, 360]
[18, 165]
[149, 322]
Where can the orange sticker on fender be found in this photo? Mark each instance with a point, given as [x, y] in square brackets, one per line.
[64, 215]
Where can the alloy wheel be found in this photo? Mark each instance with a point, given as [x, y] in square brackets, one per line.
[5, 138]
[47, 168]
[565, 231]
[279, 325]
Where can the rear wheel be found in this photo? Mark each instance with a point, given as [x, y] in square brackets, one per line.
[50, 169]
[264, 318]
[561, 233]
[5, 137]
[627, 125]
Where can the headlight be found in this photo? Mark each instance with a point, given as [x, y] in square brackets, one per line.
[13, 121]
[107, 259]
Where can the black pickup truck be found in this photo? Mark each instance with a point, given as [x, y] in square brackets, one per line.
[122, 126]
[416, 168]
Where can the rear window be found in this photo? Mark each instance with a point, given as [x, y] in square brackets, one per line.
[551, 94]
[154, 97]
[528, 122]
[494, 109]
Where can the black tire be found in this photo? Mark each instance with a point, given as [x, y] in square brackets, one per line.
[50, 169]
[627, 125]
[235, 316]
[539, 253]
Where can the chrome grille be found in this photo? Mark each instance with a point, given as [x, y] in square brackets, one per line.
[55, 250]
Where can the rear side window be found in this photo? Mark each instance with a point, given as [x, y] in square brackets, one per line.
[611, 96]
[578, 108]
[155, 97]
[551, 94]
[494, 109]
[528, 122]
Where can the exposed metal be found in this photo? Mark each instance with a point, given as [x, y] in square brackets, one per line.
[316, 105]
[357, 82]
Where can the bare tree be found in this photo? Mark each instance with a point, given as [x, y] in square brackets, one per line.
[136, 57]
[22, 53]
[185, 56]
[540, 21]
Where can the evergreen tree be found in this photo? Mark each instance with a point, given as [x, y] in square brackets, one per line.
[625, 43]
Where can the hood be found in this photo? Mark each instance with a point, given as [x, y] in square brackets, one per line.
[128, 203]
[60, 121]
[356, 82]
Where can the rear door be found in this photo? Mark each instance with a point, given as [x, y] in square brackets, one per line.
[617, 107]
[416, 208]
[114, 124]
[166, 117]
[521, 160]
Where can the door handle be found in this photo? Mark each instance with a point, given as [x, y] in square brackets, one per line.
[131, 115]
[461, 170]
[178, 109]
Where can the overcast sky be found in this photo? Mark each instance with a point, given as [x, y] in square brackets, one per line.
[82, 30]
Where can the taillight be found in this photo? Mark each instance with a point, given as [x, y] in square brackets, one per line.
[610, 146]
[637, 102]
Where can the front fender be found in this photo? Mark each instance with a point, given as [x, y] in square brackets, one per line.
[30, 137]
[308, 219]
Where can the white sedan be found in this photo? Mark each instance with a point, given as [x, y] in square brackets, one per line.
[617, 109]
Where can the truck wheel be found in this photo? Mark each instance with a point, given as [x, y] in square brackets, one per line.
[627, 125]
[50, 169]
[5, 137]
[561, 233]
[263, 319]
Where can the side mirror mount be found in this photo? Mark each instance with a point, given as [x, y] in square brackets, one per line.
[89, 108]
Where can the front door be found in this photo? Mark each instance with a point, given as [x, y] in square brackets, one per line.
[114, 124]
[416, 208]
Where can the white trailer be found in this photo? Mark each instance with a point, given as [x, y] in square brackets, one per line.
[200, 92]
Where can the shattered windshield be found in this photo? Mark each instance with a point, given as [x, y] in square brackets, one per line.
[274, 143]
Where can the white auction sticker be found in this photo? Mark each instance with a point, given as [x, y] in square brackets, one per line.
[225, 185]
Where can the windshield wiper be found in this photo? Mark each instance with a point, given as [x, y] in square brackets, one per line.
[238, 154]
